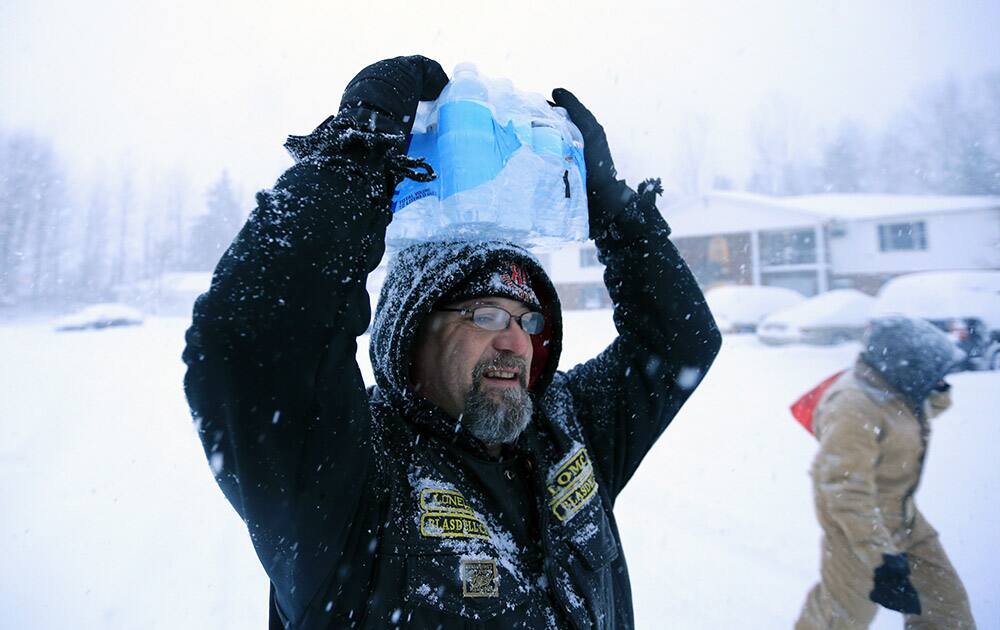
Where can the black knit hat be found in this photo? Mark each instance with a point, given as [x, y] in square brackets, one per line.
[500, 277]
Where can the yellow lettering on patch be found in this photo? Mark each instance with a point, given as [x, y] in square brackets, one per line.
[442, 500]
[572, 486]
[450, 525]
[571, 502]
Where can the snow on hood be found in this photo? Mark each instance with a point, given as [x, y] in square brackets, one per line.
[911, 354]
[419, 276]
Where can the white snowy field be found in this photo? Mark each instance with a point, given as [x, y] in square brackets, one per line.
[109, 517]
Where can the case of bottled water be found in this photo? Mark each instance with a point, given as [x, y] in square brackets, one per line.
[508, 165]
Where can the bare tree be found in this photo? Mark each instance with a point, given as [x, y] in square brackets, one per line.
[214, 230]
[782, 165]
[94, 275]
[690, 163]
[845, 160]
[31, 203]
[125, 207]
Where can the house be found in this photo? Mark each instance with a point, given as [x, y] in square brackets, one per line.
[812, 243]
[809, 243]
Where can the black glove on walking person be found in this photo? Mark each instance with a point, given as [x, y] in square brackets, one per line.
[383, 97]
[893, 589]
[607, 196]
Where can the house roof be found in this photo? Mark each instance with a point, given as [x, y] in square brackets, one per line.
[723, 212]
[857, 206]
[729, 212]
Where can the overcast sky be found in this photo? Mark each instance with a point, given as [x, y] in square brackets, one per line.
[204, 86]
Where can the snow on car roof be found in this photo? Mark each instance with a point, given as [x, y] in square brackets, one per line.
[96, 314]
[839, 307]
[943, 295]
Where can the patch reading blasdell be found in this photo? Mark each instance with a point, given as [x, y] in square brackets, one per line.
[572, 486]
[448, 525]
[479, 578]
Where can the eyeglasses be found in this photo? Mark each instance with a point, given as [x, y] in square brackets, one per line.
[495, 318]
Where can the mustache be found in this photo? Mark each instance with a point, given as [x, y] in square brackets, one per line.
[505, 361]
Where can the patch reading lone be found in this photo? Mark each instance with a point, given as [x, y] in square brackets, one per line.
[572, 485]
[479, 578]
[442, 500]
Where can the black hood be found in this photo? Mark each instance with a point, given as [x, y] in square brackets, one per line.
[417, 279]
[912, 355]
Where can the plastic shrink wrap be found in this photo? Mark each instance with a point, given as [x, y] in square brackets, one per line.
[508, 165]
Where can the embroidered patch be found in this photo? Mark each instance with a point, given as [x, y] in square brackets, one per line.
[479, 578]
[442, 500]
[445, 513]
[447, 525]
[572, 485]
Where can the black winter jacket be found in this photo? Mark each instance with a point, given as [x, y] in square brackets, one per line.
[372, 508]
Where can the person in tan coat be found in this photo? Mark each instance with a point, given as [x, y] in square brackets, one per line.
[873, 431]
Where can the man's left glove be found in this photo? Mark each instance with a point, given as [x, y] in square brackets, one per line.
[606, 195]
[893, 589]
[608, 198]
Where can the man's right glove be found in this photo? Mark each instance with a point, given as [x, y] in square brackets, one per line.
[381, 98]
[893, 589]
[391, 88]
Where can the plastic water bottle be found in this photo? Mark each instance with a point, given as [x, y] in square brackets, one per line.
[549, 202]
[466, 145]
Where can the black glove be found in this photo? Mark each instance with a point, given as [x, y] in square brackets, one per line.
[390, 89]
[608, 197]
[383, 98]
[600, 168]
[893, 589]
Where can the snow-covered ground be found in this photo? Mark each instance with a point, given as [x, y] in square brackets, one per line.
[109, 517]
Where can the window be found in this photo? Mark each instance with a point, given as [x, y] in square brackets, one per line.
[788, 247]
[594, 296]
[588, 257]
[894, 237]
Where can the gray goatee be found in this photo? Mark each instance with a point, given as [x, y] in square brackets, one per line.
[498, 419]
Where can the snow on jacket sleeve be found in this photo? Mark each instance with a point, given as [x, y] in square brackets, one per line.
[272, 378]
[627, 395]
[844, 474]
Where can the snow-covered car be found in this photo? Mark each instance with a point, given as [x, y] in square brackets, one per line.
[828, 318]
[964, 304]
[739, 308]
[98, 316]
